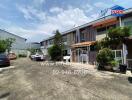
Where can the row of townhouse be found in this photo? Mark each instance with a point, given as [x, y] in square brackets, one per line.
[79, 41]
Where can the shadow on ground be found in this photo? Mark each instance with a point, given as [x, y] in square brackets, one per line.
[4, 95]
[130, 79]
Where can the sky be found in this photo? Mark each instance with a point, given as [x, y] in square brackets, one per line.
[36, 20]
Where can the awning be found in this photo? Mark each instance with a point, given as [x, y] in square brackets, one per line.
[106, 22]
[83, 44]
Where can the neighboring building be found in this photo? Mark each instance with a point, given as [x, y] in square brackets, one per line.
[20, 43]
[33, 45]
[79, 41]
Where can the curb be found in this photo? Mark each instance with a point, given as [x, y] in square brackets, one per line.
[6, 68]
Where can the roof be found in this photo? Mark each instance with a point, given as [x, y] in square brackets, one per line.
[105, 22]
[116, 7]
[83, 44]
[13, 34]
[90, 23]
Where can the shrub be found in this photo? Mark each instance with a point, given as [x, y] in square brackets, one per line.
[119, 32]
[55, 53]
[114, 63]
[22, 55]
[105, 56]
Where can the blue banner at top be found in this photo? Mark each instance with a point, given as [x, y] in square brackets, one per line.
[117, 11]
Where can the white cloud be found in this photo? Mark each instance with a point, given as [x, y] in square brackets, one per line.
[87, 8]
[30, 12]
[25, 12]
[30, 34]
[56, 10]
[63, 20]
[101, 5]
[38, 3]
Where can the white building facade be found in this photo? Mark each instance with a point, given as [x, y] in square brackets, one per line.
[19, 46]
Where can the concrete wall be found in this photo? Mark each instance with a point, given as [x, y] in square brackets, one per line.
[33, 45]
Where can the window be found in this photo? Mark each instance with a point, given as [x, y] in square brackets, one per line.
[92, 48]
[64, 38]
[50, 42]
[111, 26]
[128, 23]
[82, 36]
[101, 29]
[118, 55]
[104, 29]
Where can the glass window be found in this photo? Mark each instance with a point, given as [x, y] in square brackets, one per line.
[118, 54]
[101, 29]
[128, 23]
[92, 48]
[82, 37]
[64, 38]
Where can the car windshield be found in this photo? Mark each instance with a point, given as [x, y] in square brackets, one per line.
[2, 55]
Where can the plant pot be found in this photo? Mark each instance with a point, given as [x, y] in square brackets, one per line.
[108, 67]
[123, 68]
[115, 68]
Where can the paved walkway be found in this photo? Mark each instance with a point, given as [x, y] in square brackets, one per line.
[31, 80]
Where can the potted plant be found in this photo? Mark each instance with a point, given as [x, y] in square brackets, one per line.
[115, 65]
[104, 57]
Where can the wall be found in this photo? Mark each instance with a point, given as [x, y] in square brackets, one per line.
[20, 43]
[33, 45]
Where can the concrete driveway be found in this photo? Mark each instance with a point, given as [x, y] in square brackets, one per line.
[36, 81]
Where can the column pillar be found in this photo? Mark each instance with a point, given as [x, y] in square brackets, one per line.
[88, 54]
[125, 54]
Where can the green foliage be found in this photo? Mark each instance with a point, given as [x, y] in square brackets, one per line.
[104, 43]
[127, 31]
[58, 38]
[6, 44]
[105, 56]
[113, 63]
[22, 55]
[119, 32]
[115, 37]
[55, 52]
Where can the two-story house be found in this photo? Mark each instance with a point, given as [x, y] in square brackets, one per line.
[79, 41]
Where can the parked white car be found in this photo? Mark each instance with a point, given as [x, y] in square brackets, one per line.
[66, 58]
[37, 57]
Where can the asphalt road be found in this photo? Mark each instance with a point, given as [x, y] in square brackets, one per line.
[33, 81]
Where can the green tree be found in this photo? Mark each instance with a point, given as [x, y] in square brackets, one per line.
[9, 43]
[58, 39]
[114, 38]
[55, 52]
[2, 46]
[6, 44]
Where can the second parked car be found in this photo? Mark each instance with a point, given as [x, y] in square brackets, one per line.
[12, 56]
[37, 57]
